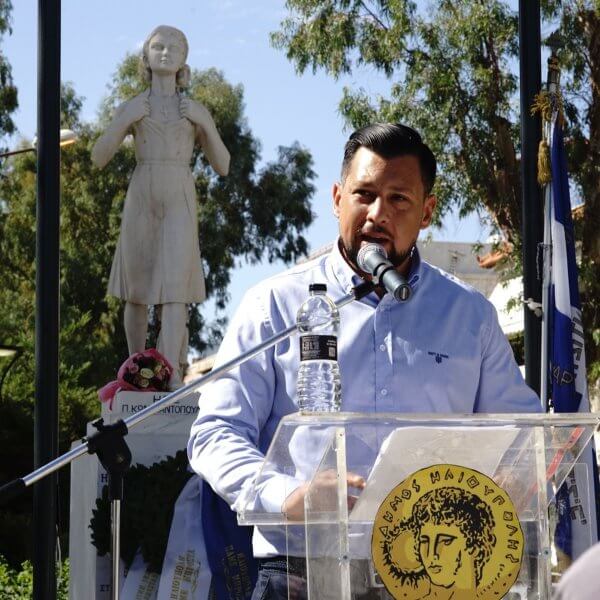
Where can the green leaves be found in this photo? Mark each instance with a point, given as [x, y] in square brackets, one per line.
[251, 213]
[449, 76]
[147, 511]
[256, 211]
[337, 34]
[8, 92]
[19, 583]
[453, 72]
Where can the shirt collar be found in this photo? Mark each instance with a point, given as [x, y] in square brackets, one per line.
[348, 278]
[416, 269]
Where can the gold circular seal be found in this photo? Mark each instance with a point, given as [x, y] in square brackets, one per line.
[447, 532]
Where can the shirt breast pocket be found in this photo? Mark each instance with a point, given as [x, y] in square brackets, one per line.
[442, 378]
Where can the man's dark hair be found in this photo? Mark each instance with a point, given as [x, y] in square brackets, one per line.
[390, 140]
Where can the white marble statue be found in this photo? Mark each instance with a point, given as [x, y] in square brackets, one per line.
[157, 260]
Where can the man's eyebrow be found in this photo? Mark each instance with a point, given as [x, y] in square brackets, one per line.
[362, 183]
[399, 189]
[402, 189]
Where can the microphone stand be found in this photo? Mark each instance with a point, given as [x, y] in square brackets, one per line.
[112, 450]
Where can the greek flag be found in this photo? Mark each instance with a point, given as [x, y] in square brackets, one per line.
[577, 510]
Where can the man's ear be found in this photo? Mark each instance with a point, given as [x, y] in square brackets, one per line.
[428, 209]
[336, 195]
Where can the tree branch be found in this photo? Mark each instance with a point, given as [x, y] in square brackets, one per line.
[374, 16]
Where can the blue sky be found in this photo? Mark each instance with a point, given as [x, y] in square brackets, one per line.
[233, 36]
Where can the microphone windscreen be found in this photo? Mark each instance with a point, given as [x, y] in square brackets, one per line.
[362, 259]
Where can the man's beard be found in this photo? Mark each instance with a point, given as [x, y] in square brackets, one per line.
[396, 258]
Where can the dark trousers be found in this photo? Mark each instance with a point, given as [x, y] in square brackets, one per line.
[277, 573]
[274, 576]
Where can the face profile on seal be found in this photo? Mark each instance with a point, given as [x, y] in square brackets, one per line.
[447, 533]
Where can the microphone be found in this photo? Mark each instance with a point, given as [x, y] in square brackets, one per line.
[372, 259]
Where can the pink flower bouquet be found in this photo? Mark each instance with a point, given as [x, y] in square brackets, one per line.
[147, 371]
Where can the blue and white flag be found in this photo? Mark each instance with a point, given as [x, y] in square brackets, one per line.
[577, 511]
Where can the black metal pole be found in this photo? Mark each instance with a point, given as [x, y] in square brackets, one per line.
[532, 201]
[47, 297]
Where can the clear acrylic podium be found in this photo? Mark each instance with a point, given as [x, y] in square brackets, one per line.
[528, 456]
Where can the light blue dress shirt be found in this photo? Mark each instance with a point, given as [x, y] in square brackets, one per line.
[442, 351]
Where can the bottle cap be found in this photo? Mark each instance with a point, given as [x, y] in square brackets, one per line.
[317, 287]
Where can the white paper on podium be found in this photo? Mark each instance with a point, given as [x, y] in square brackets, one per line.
[408, 449]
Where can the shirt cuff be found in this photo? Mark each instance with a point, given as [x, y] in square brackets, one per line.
[268, 495]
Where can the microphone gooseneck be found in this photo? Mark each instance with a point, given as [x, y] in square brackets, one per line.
[372, 259]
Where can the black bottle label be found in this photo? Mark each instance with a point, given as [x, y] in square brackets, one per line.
[318, 347]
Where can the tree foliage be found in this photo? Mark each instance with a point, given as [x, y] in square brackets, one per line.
[255, 212]
[250, 214]
[449, 77]
[8, 92]
[18, 583]
[453, 74]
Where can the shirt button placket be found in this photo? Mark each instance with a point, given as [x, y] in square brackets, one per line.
[383, 366]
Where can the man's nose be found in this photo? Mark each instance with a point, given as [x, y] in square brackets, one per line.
[378, 211]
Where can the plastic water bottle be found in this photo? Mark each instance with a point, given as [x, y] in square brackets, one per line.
[319, 386]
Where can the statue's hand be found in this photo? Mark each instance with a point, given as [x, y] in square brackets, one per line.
[194, 112]
[136, 109]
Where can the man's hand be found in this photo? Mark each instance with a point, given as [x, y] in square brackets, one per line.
[323, 495]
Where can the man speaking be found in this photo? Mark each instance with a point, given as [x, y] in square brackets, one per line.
[441, 351]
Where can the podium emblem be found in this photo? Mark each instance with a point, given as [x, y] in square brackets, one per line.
[444, 532]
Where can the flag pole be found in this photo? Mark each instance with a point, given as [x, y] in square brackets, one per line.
[546, 282]
[552, 87]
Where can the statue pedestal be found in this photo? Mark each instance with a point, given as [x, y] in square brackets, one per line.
[159, 436]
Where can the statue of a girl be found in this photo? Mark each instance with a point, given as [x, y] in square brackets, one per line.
[157, 260]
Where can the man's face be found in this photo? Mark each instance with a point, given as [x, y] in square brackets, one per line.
[382, 201]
